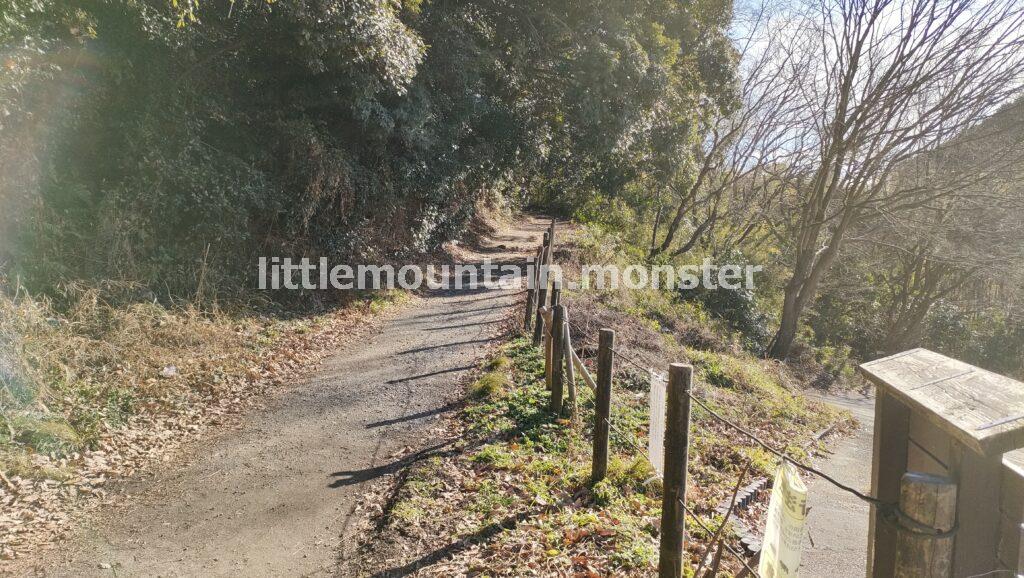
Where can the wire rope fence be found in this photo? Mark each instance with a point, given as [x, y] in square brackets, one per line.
[670, 403]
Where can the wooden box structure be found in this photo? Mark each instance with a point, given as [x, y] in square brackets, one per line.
[938, 415]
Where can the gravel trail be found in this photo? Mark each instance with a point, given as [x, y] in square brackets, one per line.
[276, 496]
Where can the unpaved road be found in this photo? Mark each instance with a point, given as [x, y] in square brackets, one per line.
[275, 497]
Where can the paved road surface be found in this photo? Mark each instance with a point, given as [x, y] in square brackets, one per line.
[835, 545]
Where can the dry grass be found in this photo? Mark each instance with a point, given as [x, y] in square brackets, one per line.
[97, 387]
[515, 498]
[95, 364]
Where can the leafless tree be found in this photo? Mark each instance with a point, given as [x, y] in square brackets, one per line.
[730, 172]
[886, 82]
[955, 244]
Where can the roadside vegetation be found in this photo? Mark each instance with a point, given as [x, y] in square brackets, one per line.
[710, 321]
[515, 497]
[92, 389]
[512, 494]
[866, 155]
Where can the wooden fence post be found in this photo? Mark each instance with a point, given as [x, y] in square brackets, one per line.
[549, 367]
[677, 446]
[538, 261]
[538, 325]
[545, 251]
[929, 500]
[602, 404]
[530, 289]
[551, 235]
[541, 283]
[570, 371]
[549, 250]
[557, 356]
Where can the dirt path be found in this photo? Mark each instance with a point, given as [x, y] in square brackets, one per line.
[276, 496]
[836, 542]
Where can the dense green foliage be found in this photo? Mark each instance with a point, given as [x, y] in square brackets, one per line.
[170, 145]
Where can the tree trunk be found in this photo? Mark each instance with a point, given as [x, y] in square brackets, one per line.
[906, 333]
[672, 228]
[698, 233]
[657, 225]
[782, 343]
[803, 286]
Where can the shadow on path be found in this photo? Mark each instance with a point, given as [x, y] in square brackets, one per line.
[431, 374]
[481, 535]
[353, 477]
[443, 345]
[415, 416]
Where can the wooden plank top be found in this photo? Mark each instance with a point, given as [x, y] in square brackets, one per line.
[981, 409]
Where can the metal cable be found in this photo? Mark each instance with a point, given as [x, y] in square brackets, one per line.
[780, 454]
[741, 558]
[886, 506]
[630, 360]
[629, 440]
[783, 456]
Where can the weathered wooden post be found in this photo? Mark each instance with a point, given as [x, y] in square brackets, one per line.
[538, 261]
[530, 290]
[570, 370]
[549, 359]
[548, 336]
[541, 283]
[545, 251]
[928, 500]
[545, 348]
[941, 416]
[602, 404]
[677, 447]
[538, 327]
[549, 248]
[557, 355]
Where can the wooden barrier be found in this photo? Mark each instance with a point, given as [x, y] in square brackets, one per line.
[582, 369]
[538, 329]
[557, 355]
[677, 447]
[544, 314]
[570, 369]
[561, 362]
[542, 290]
[930, 501]
[530, 296]
[549, 361]
[941, 416]
[551, 240]
[602, 404]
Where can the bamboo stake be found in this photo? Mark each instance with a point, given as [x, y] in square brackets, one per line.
[584, 373]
